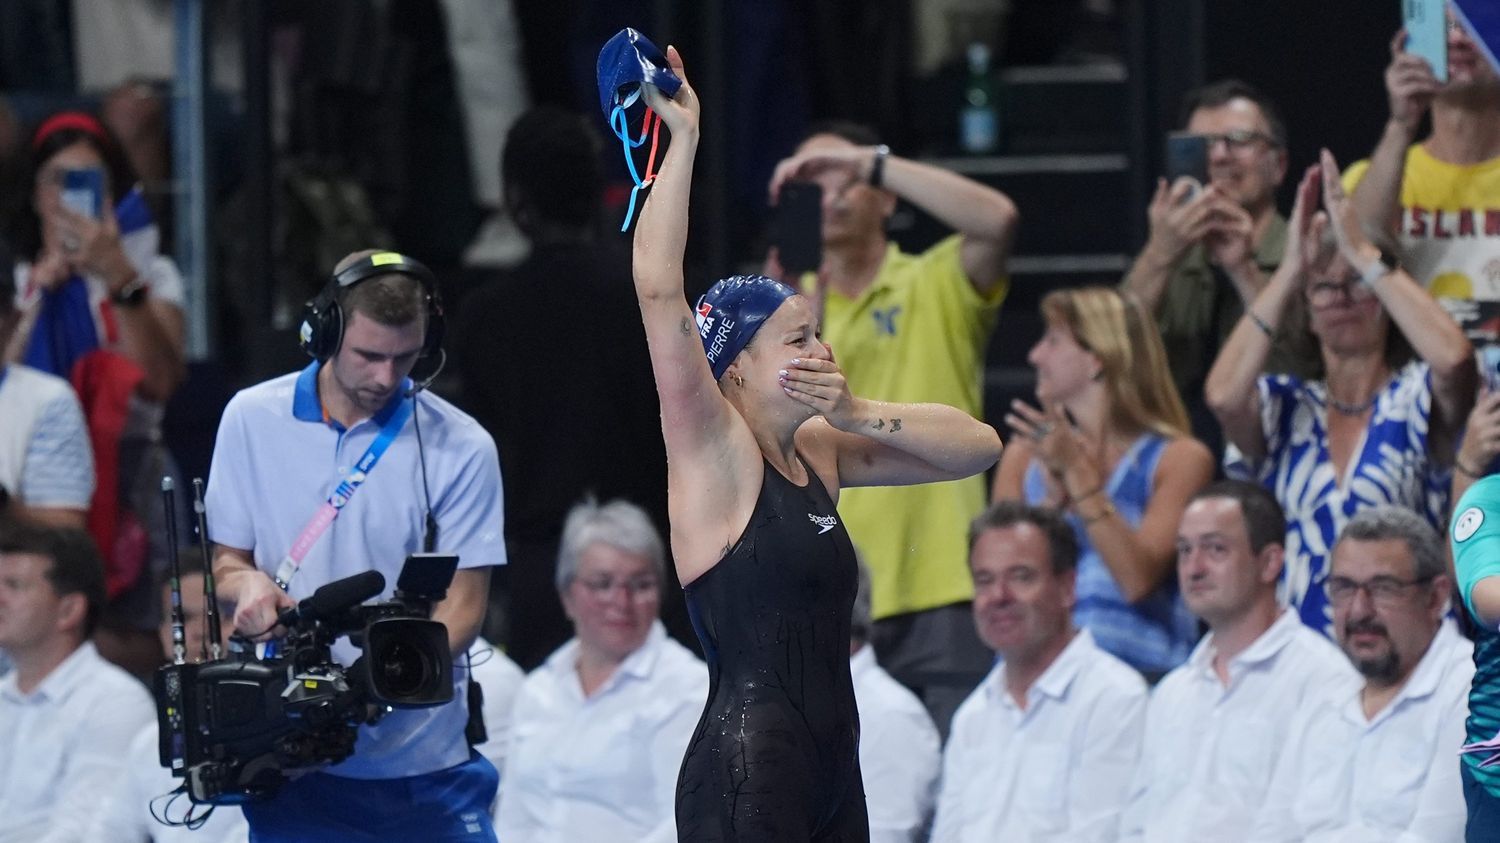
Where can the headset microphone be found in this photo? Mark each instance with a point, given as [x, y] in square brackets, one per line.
[418, 386]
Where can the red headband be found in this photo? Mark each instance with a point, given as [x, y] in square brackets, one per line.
[79, 120]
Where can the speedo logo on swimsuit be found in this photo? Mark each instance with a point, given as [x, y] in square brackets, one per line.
[827, 522]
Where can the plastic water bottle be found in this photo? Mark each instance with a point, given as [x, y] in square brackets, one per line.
[978, 117]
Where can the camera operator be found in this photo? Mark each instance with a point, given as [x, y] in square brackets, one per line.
[321, 474]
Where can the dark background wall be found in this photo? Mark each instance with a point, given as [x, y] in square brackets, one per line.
[1322, 61]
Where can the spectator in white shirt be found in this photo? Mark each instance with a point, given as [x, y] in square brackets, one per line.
[1044, 747]
[600, 729]
[1216, 724]
[1378, 760]
[66, 715]
[900, 752]
[134, 800]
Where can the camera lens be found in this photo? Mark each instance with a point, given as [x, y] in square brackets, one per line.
[402, 669]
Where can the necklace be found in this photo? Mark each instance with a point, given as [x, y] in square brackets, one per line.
[1352, 409]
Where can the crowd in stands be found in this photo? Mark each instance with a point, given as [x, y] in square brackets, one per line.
[1207, 596]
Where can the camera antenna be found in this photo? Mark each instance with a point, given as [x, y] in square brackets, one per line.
[179, 635]
[210, 601]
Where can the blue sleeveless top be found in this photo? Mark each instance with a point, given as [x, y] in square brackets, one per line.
[1155, 634]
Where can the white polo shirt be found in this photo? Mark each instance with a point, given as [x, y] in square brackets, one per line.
[602, 767]
[900, 753]
[1209, 750]
[1057, 771]
[1394, 777]
[276, 461]
[65, 744]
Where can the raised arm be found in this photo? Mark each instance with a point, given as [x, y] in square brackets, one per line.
[984, 217]
[712, 459]
[694, 413]
[1231, 390]
[1480, 446]
[1433, 334]
[152, 331]
[1410, 87]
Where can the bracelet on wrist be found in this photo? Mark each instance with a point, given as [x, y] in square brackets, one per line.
[1263, 325]
[1077, 499]
[1465, 470]
[132, 293]
[1105, 512]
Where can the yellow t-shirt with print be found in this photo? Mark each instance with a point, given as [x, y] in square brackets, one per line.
[1450, 235]
[917, 334]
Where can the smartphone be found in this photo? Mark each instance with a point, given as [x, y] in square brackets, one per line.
[798, 230]
[1187, 155]
[1426, 23]
[83, 191]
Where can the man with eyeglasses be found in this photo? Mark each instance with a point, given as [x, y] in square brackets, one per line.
[1441, 196]
[1374, 760]
[1215, 725]
[1212, 247]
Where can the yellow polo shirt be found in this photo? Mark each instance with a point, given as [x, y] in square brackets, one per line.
[917, 334]
[1450, 235]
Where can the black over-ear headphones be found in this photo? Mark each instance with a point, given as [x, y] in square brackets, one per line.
[323, 318]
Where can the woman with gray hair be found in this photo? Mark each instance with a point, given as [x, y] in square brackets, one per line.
[600, 728]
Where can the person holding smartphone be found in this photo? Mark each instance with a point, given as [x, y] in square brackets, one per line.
[908, 328]
[100, 306]
[1213, 245]
[1435, 195]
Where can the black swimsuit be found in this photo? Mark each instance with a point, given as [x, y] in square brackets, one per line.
[775, 756]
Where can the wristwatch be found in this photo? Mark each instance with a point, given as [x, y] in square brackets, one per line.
[1382, 266]
[132, 294]
[877, 168]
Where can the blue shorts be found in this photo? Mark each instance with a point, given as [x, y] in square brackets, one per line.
[448, 805]
[1484, 810]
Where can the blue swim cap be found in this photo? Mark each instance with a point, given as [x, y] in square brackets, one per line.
[732, 311]
[628, 61]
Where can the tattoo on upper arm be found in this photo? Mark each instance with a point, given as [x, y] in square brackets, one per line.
[879, 424]
[895, 425]
[686, 327]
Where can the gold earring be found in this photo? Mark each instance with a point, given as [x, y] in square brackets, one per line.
[739, 380]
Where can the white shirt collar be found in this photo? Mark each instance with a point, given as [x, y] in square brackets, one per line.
[1263, 649]
[1054, 681]
[1421, 684]
[563, 664]
[55, 685]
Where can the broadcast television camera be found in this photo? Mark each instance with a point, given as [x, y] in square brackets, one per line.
[233, 727]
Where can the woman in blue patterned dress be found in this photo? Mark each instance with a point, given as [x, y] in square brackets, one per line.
[1382, 424]
[1110, 449]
